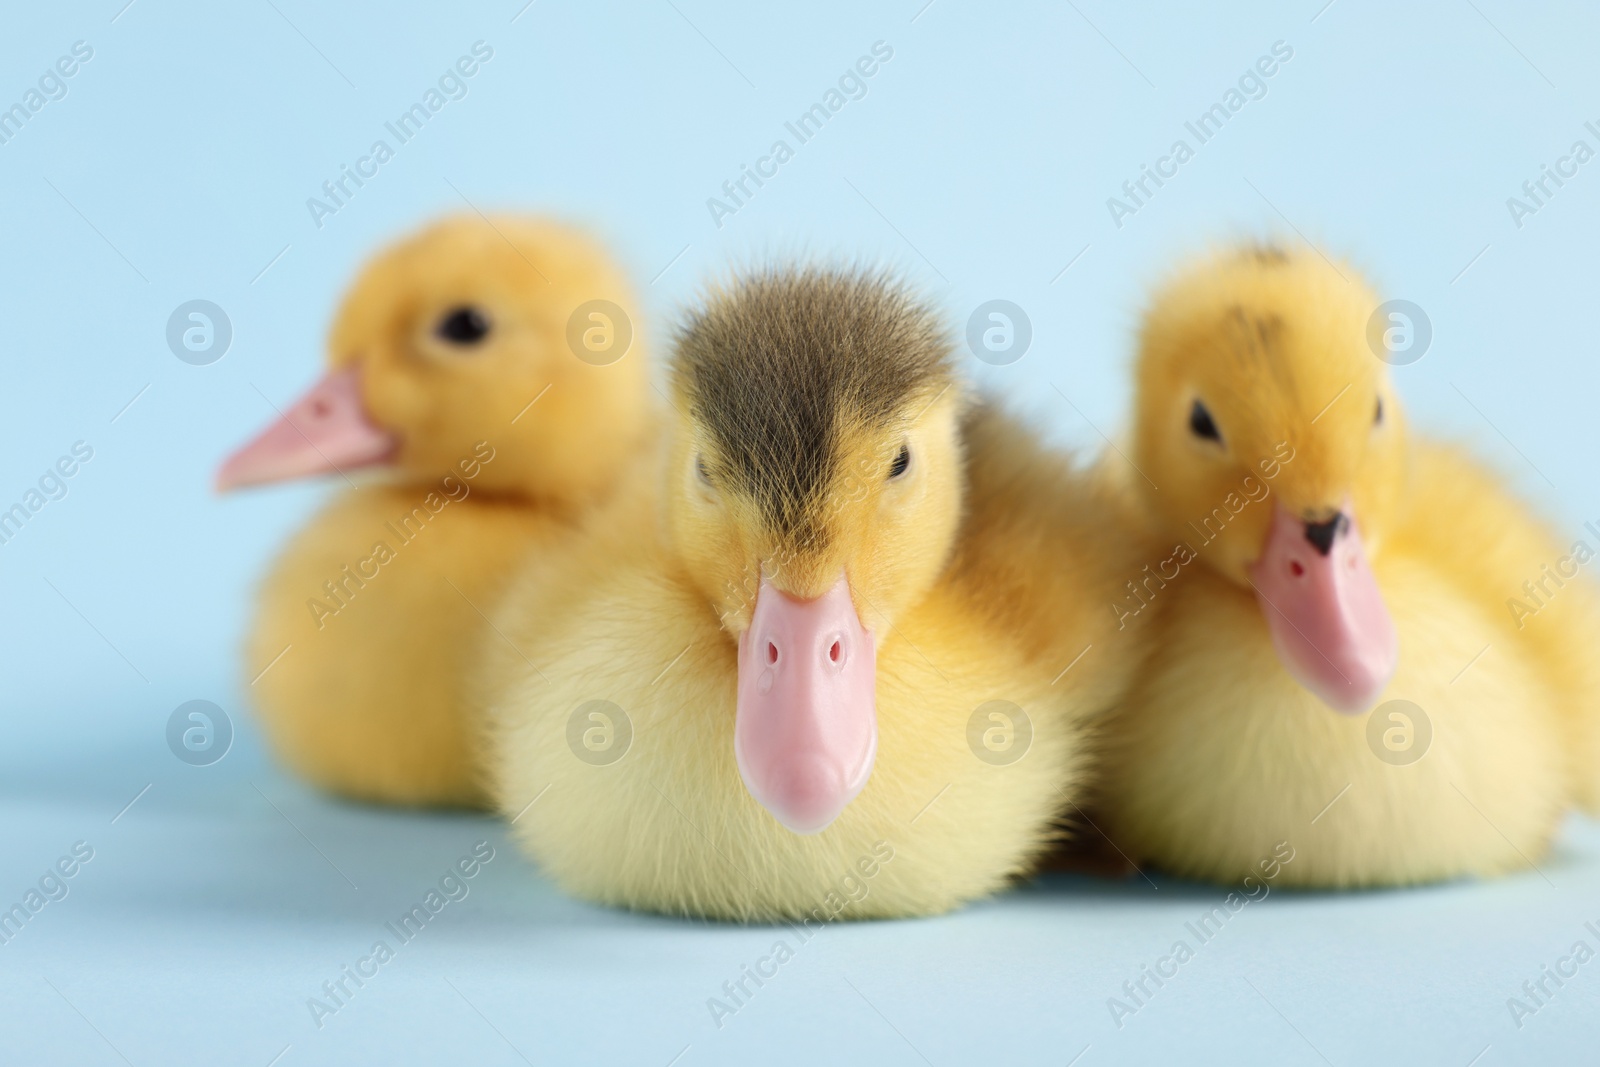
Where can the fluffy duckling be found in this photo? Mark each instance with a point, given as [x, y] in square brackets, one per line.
[450, 375]
[781, 688]
[1333, 662]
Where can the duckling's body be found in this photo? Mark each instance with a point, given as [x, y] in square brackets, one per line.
[1220, 751]
[453, 378]
[651, 620]
[670, 827]
[1223, 755]
[365, 699]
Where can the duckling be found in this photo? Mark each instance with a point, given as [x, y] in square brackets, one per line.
[452, 381]
[776, 685]
[1332, 663]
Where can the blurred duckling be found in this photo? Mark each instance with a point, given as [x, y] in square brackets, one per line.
[1333, 661]
[776, 684]
[452, 380]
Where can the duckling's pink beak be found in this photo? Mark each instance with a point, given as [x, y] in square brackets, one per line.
[1326, 613]
[326, 430]
[806, 729]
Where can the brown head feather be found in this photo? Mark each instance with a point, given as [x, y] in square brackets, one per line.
[784, 366]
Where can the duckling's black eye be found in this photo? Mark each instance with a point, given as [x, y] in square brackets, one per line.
[1201, 425]
[902, 460]
[464, 325]
[1377, 416]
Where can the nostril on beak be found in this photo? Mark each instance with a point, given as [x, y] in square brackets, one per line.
[772, 653]
[1322, 534]
[836, 652]
[1296, 568]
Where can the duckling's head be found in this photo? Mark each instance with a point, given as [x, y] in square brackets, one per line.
[455, 344]
[1273, 433]
[815, 483]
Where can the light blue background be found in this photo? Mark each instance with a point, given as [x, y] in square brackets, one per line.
[178, 167]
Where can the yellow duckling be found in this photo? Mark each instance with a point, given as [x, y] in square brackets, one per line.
[1334, 662]
[778, 684]
[450, 372]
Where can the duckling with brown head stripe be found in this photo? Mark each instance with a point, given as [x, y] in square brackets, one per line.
[790, 649]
